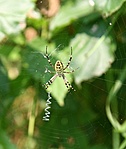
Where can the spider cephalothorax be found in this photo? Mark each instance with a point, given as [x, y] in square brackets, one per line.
[59, 71]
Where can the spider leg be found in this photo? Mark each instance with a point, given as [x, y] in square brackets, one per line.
[68, 85]
[69, 60]
[46, 85]
[47, 70]
[71, 71]
[47, 56]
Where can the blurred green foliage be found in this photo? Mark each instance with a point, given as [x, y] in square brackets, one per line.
[96, 32]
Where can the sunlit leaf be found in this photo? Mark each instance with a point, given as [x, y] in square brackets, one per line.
[97, 63]
[2, 35]
[108, 7]
[12, 15]
[70, 13]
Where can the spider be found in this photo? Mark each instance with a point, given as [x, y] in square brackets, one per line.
[59, 71]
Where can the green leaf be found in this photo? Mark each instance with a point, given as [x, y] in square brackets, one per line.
[70, 13]
[97, 63]
[98, 146]
[5, 141]
[108, 7]
[58, 89]
[34, 62]
[12, 15]
[4, 82]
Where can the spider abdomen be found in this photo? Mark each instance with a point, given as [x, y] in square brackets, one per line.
[59, 67]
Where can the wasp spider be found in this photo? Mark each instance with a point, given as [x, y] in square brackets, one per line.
[59, 71]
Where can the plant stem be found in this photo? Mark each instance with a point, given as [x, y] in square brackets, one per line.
[112, 118]
[32, 117]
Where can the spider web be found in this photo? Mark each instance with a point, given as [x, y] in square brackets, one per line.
[67, 129]
[94, 130]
